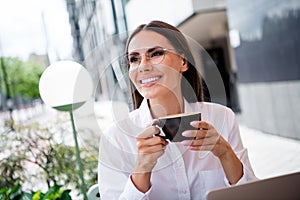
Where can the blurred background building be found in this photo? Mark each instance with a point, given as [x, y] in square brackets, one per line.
[268, 63]
[99, 29]
[255, 47]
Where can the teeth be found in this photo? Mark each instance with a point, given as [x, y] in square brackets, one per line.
[148, 80]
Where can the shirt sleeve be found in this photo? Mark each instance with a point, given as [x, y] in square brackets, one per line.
[234, 139]
[114, 172]
[115, 185]
[131, 192]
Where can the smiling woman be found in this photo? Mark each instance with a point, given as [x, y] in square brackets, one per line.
[136, 159]
[167, 37]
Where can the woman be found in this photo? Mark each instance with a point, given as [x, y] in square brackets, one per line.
[135, 163]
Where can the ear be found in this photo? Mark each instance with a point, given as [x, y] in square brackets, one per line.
[184, 65]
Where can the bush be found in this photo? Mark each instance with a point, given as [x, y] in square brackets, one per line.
[16, 193]
[33, 154]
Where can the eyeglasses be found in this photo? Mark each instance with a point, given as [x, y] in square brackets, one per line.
[154, 55]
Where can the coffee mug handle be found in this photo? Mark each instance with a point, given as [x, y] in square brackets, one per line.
[157, 123]
[163, 137]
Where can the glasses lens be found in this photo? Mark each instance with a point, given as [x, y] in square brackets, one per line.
[134, 60]
[156, 56]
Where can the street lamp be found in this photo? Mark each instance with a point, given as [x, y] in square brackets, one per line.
[65, 86]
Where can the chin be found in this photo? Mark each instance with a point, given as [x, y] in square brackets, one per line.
[149, 94]
[155, 91]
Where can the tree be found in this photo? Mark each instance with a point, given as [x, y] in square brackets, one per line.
[22, 77]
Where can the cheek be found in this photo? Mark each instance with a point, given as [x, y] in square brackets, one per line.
[132, 77]
[172, 72]
[174, 63]
[175, 78]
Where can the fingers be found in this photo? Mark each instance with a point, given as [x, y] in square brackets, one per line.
[147, 142]
[196, 133]
[200, 142]
[205, 144]
[148, 132]
[150, 141]
[206, 136]
[200, 124]
[152, 149]
[218, 146]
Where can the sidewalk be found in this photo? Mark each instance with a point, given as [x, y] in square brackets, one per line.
[271, 155]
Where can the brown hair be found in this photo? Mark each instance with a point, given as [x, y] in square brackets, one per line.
[191, 78]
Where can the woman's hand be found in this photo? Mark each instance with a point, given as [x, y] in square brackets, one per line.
[206, 138]
[150, 148]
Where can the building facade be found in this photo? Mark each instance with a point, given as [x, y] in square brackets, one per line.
[268, 60]
[99, 29]
[254, 49]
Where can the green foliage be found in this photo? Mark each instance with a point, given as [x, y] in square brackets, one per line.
[33, 154]
[22, 77]
[16, 193]
[55, 193]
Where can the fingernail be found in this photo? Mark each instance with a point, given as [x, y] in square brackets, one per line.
[192, 148]
[194, 123]
[185, 133]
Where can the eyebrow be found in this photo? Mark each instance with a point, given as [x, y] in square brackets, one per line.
[148, 50]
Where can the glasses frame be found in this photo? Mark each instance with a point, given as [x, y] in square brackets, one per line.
[147, 55]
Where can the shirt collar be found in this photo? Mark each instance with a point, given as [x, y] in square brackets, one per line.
[144, 113]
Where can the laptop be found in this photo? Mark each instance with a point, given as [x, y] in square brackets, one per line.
[284, 187]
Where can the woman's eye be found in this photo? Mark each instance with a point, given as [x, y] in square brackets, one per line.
[134, 59]
[157, 53]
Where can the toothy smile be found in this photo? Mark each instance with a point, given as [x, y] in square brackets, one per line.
[149, 80]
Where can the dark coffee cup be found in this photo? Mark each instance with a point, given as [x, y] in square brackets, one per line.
[174, 125]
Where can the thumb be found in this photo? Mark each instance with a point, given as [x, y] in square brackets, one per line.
[148, 132]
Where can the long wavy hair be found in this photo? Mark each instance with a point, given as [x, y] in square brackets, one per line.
[191, 78]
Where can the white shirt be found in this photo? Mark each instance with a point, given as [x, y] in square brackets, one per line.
[180, 173]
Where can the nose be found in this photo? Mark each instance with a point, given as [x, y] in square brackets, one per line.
[144, 59]
[145, 64]
[145, 67]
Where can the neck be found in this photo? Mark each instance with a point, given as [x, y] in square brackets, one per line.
[167, 105]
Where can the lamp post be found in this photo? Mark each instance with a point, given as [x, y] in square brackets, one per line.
[66, 86]
[10, 106]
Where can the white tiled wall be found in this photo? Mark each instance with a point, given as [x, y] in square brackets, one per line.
[271, 107]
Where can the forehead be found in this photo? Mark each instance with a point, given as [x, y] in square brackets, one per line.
[147, 39]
